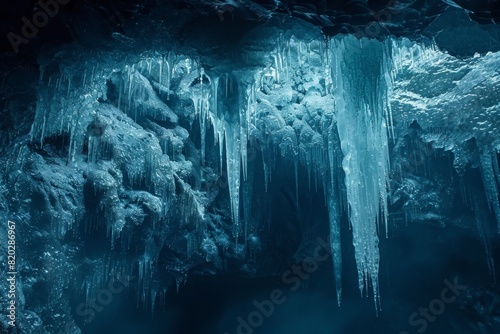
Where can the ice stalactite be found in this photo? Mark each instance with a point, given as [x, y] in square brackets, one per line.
[266, 161]
[281, 59]
[247, 115]
[247, 192]
[360, 92]
[93, 150]
[62, 100]
[229, 106]
[233, 162]
[169, 79]
[129, 82]
[244, 122]
[491, 181]
[334, 200]
[201, 90]
[229, 132]
[335, 241]
[144, 268]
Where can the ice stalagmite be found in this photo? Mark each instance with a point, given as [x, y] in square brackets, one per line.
[360, 92]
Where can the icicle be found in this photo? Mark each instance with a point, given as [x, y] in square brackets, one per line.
[496, 168]
[233, 162]
[490, 183]
[267, 159]
[277, 72]
[288, 59]
[267, 171]
[335, 240]
[42, 136]
[93, 149]
[58, 83]
[334, 204]
[215, 92]
[69, 85]
[131, 75]
[360, 94]
[154, 292]
[140, 266]
[216, 122]
[169, 79]
[229, 121]
[220, 135]
[247, 203]
[84, 85]
[299, 53]
[120, 93]
[309, 167]
[243, 121]
[200, 95]
[160, 73]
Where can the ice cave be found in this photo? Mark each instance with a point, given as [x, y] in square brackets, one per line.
[250, 167]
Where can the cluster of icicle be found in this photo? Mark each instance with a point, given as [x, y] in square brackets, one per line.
[361, 84]
[358, 74]
[465, 112]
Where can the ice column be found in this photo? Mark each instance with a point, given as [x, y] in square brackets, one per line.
[360, 92]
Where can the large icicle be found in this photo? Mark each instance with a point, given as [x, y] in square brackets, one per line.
[230, 114]
[360, 91]
[233, 161]
[334, 201]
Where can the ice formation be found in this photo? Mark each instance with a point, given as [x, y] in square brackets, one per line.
[330, 108]
[361, 85]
